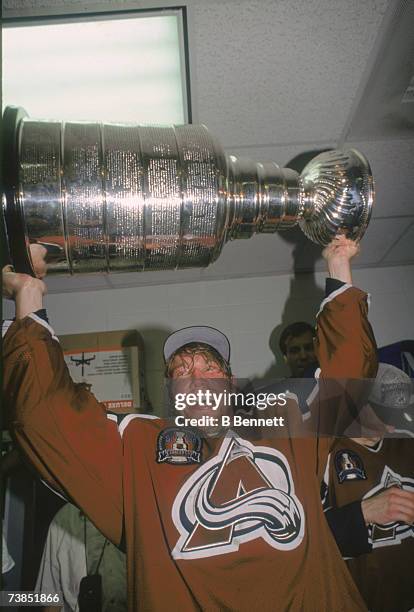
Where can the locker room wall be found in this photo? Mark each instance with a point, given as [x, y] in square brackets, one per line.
[250, 311]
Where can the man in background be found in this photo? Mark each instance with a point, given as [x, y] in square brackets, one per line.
[296, 344]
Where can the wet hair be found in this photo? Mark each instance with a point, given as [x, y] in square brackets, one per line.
[199, 348]
[293, 331]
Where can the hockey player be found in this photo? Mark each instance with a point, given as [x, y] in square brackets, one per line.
[369, 497]
[238, 525]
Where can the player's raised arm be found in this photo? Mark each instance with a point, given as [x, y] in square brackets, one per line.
[61, 427]
[345, 347]
[26, 291]
[345, 344]
[338, 255]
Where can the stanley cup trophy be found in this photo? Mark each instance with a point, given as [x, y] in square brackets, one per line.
[115, 197]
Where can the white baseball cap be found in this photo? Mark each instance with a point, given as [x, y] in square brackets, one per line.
[203, 334]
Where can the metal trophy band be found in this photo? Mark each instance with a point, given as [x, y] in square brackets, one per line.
[119, 197]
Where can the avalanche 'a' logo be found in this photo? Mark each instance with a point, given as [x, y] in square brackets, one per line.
[391, 533]
[245, 492]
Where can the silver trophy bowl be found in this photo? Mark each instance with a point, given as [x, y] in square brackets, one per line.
[117, 197]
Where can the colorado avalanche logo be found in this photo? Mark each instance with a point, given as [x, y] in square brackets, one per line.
[392, 533]
[245, 492]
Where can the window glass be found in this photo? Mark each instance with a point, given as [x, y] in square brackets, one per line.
[127, 69]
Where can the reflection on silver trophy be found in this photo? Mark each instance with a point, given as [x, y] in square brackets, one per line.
[115, 197]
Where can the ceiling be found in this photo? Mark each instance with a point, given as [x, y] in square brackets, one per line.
[278, 78]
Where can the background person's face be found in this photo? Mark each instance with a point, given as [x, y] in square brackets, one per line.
[300, 354]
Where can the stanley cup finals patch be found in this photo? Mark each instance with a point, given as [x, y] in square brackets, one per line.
[349, 466]
[178, 446]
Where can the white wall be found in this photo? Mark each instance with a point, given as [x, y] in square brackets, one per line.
[249, 310]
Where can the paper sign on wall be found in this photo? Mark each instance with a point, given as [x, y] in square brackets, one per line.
[112, 363]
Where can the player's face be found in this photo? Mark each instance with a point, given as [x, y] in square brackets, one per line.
[196, 366]
[201, 373]
[300, 354]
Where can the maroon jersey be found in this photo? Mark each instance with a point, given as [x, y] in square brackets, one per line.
[214, 524]
[384, 574]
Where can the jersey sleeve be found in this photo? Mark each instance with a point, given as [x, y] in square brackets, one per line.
[346, 523]
[347, 355]
[345, 343]
[61, 426]
[349, 530]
